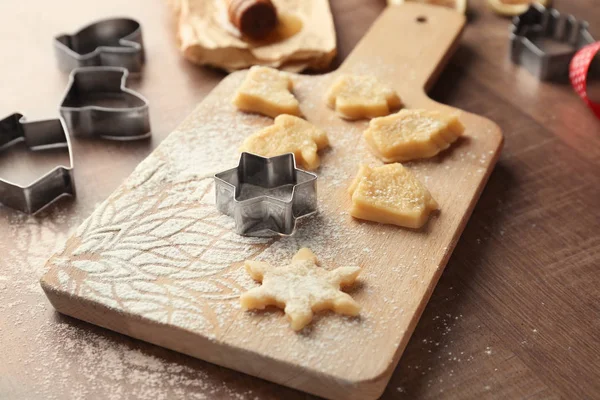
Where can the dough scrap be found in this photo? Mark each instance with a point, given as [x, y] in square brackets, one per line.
[300, 288]
[361, 96]
[390, 194]
[412, 134]
[289, 134]
[267, 91]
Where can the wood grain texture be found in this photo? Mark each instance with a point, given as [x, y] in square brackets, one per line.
[523, 273]
[158, 263]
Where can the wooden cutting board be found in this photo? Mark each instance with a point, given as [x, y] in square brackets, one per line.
[157, 262]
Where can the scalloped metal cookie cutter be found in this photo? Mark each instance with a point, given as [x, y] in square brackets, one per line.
[266, 196]
[115, 42]
[539, 23]
[97, 103]
[38, 135]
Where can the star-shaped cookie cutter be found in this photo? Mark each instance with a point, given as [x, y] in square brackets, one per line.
[97, 103]
[266, 196]
[539, 23]
[113, 42]
[37, 135]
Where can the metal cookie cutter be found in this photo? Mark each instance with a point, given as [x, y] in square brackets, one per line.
[265, 196]
[38, 135]
[112, 42]
[97, 103]
[538, 24]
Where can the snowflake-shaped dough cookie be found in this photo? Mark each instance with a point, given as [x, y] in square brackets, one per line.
[289, 134]
[361, 96]
[267, 91]
[412, 134]
[301, 288]
[390, 194]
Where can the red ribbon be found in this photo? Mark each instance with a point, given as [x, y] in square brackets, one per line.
[578, 72]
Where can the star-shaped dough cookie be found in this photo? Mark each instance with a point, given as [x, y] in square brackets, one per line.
[412, 134]
[390, 194]
[289, 134]
[361, 96]
[300, 288]
[267, 91]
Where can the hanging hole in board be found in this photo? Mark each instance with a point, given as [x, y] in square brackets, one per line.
[421, 19]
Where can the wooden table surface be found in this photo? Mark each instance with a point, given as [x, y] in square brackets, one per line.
[515, 315]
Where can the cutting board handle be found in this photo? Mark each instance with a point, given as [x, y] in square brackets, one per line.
[409, 44]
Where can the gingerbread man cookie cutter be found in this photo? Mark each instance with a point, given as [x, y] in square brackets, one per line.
[539, 23]
[37, 135]
[115, 42]
[265, 196]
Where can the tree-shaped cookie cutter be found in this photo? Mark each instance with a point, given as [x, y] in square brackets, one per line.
[265, 196]
[539, 23]
[97, 103]
[113, 42]
[37, 135]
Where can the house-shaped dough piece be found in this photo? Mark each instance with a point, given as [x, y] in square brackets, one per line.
[289, 134]
[361, 96]
[267, 91]
[390, 194]
[412, 134]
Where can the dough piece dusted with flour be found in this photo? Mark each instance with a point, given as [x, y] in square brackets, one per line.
[361, 96]
[289, 134]
[267, 91]
[390, 194]
[412, 134]
[301, 288]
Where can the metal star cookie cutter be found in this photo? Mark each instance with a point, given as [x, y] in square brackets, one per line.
[113, 42]
[38, 135]
[98, 104]
[537, 24]
[266, 196]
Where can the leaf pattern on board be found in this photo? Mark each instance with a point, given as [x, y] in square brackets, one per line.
[165, 255]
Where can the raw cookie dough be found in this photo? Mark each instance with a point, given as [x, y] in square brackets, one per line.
[300, 288]
[267, 91]
[390, 194]
[289, 134]
[361, 96]
[304, 37]
[412, 134]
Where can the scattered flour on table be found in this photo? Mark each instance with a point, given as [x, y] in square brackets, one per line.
[60, 358]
